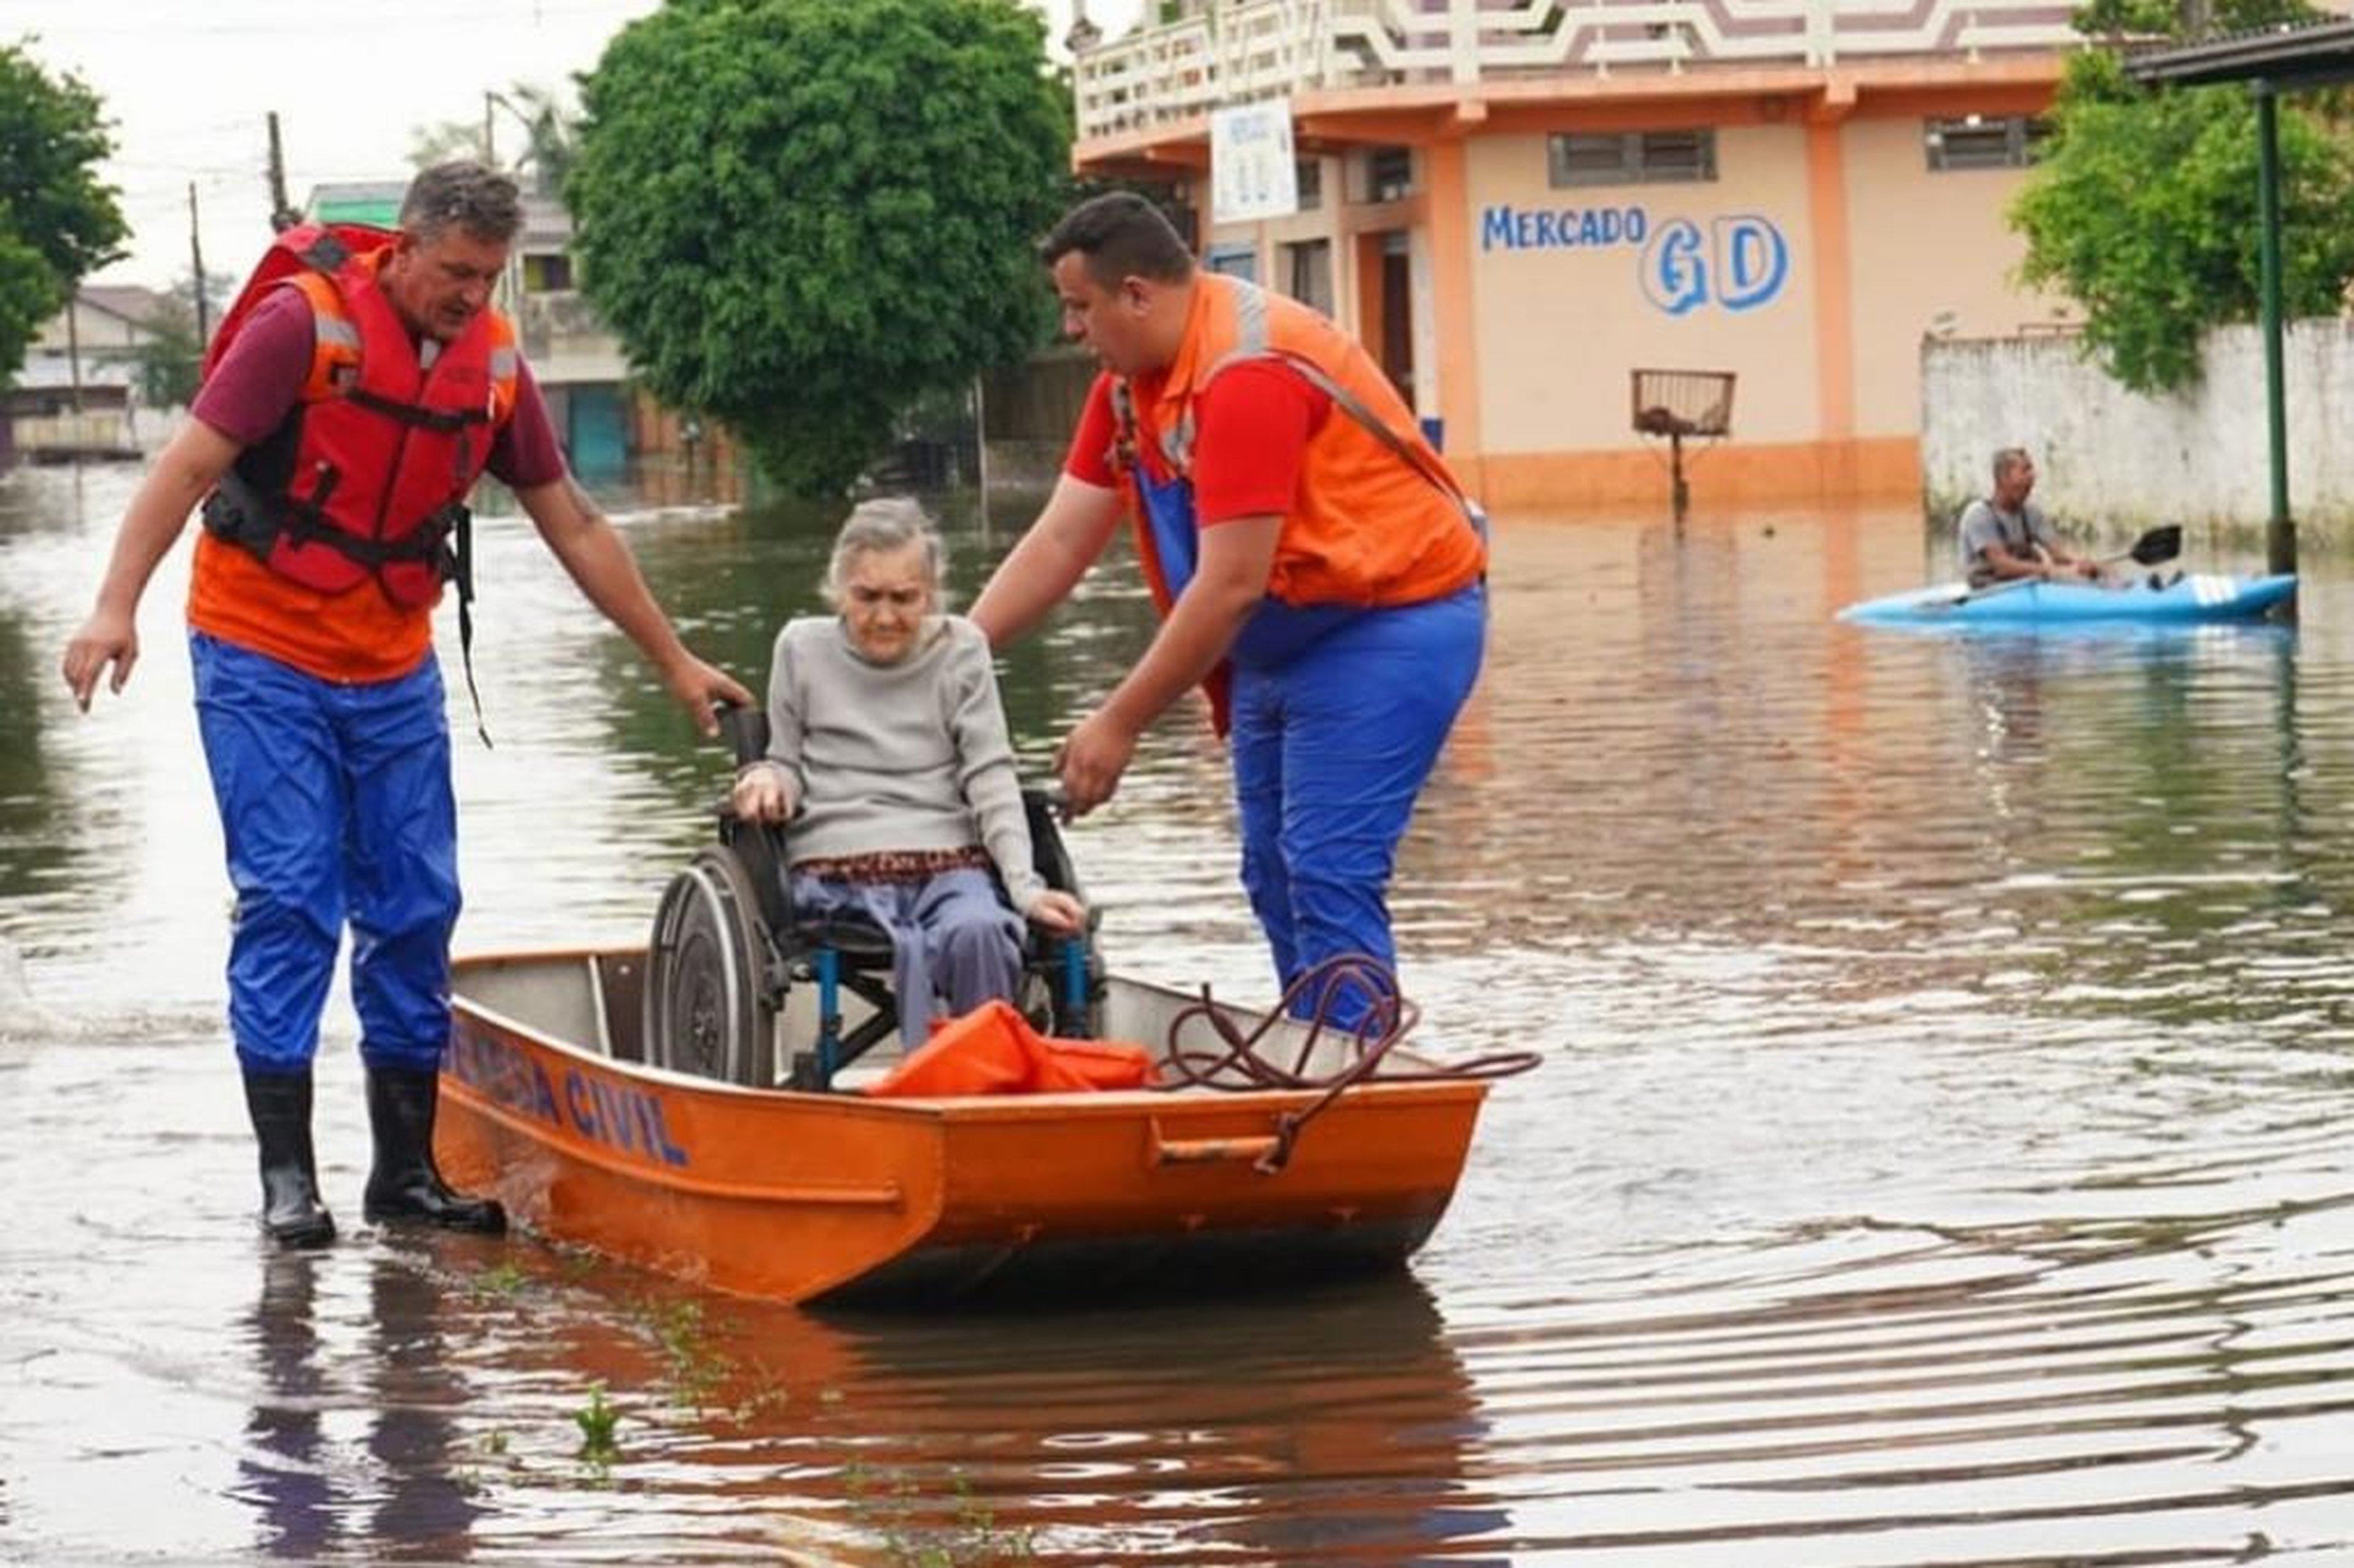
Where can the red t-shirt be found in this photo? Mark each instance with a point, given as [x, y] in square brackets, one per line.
[358, 634]
[1251, 428]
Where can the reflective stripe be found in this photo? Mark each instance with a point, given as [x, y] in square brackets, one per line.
[339, 332]
[503, 363]
[1250, 343]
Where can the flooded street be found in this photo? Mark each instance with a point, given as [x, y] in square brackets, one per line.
[1941, 1154]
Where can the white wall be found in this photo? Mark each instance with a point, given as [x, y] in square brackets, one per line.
[2104, 454]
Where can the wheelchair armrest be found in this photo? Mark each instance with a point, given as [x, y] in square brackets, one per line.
[747, 730]
[1050, 857]
[761, 847]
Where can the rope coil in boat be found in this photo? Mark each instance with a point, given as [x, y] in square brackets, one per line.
[1242, 1064]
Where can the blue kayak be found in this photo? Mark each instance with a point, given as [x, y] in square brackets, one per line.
[2196, 597]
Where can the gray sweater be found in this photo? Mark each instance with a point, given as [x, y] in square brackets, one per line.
[911, 756]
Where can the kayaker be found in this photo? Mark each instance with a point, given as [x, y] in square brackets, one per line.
[889, 757]
[350, 401]
[2005, 536]
[1317, 567]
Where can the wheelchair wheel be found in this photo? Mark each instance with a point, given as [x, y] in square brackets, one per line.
[708, 1007]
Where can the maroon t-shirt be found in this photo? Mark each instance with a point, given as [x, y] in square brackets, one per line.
[260, 380]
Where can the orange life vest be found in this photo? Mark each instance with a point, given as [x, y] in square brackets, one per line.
[1379, 519]
[367, 476]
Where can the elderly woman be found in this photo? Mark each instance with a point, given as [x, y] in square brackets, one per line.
[887, 753]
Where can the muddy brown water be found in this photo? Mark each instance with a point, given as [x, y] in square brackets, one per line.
[1940, 1155]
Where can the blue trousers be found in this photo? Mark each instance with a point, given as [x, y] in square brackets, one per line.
[952, 939]
[335, 805]
[1330, 748]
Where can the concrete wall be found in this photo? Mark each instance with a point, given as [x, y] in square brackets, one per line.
[2111, 456]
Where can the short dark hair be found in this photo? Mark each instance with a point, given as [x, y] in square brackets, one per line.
[464, 194]
[1123, 235]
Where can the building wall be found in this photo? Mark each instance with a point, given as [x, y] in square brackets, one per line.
[1708, 276]
[1932, 254]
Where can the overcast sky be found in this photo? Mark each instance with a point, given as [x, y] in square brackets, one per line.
[188, 83]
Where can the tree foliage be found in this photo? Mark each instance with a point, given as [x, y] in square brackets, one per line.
[58, 223]
[2143, 209]
[802, 215]
[534, 113]
[168, 362]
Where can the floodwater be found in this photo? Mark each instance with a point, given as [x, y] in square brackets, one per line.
[1941, 1153]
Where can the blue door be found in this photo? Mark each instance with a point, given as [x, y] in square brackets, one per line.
[598, 433]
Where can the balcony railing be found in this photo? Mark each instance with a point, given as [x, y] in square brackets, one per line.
[1236, 51]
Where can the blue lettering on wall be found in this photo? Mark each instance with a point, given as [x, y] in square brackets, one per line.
[1741, 263]
[1507, 227]
[1675, 273]
[1751, 261]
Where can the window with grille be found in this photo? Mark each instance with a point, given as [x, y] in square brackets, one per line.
[1309, 173]
[1631, 158]
[1235, 261]
[1307, 274]
[1983, 141]
[1384, 174]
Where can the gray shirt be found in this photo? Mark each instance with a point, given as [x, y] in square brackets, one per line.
[911, 756]
[1983, 523]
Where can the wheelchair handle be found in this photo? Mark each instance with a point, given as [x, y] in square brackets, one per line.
[747, 730]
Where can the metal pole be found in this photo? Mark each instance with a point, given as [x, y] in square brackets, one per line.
[197, 268]
[282, 214]
[2280, 533]
[73, 346]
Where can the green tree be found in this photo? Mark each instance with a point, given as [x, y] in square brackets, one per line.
[839, 219]
[2143, 205]
[167, 362]
[58, 223]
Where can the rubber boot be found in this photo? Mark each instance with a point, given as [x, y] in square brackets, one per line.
[279, 1105]
[405, 1185]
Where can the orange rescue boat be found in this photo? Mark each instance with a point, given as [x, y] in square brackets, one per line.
[844, 1198]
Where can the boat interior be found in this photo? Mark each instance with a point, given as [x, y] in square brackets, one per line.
[596, 1001]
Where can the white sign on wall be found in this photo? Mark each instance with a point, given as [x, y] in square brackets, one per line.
[1252, 175]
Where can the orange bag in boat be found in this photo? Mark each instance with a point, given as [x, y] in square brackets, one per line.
[993, 1050]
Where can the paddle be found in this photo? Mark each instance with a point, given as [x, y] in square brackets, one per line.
[2159, 545]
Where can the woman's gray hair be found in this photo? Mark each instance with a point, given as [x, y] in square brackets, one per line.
[880, 526]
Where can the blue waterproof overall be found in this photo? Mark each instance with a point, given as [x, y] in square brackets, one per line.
[1339, 713]
[335, 805]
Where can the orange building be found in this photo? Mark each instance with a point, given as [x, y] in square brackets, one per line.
[1518, 203]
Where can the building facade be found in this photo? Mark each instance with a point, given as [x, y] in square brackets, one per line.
[1518, 206]
[76, 397]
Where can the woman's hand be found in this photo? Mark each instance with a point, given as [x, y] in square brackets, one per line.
[1056, 910]
[763, 793]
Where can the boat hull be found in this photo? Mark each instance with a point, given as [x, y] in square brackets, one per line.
[847, 1199]
[2199, 596]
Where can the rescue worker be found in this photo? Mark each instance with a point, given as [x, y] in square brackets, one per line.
[355, 391]
[1317, 566]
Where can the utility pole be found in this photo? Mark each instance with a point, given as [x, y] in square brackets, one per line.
[282, 214]
[197, 268]
[490, 153]
[73, 345]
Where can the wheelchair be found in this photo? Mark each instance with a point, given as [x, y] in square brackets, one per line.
[733, 972]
